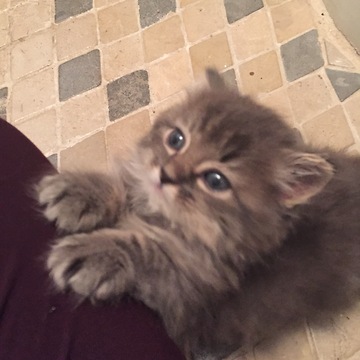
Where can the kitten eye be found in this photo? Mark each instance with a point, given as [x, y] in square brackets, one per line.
[216, 181]
[176, 139]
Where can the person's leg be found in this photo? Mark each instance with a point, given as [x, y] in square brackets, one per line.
[35, 321]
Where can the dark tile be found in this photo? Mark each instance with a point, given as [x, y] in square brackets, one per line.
[54, 160]
[302, 55]
[66, 8]
[230, 78]
[79, 75]
[152, 11]
[128, 94]
[3, 101]
[237, 9]
[344, 83]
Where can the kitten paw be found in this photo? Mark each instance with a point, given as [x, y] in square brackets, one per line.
[93, 269]
[76, 203]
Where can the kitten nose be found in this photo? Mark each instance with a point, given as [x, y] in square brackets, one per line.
[165, 178]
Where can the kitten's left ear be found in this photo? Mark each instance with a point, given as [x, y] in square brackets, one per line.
[301, 177]
[214, 79]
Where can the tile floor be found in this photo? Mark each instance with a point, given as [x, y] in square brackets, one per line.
[84, 79]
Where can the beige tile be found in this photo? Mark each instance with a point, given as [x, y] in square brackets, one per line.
[211, 52]
[329, 129]
[75, 35]
[34, 53]
[83, 114]
[118, 20]
[89, 154]
[352, 107]
[32, 94]
[293, 345]
[162, 38]
[4, 28]
[29, 17]
[41, 130]
[123, 136]
[279, 101]
[165, 79]
[118, 60]
[261, 75]
[291, 19]
[274, 2]
[184, 3]
[252, 35]
[208, 13]
[4, 65]
[309, 97]
[3, 5]
[164, 105]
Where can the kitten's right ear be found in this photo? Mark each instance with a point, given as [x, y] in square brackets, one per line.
[214, 79]
[302, 176]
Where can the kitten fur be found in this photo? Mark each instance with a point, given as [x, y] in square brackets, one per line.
[223, 268]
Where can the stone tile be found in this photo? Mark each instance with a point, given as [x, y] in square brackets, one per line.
[213, 52]
[123, 136]
[128, 94]
[236, 10]
[162, 38]
[82, 114]
[3, 102]
[75, 35]
[53, 160]
[252, 35]
[4, 65]
[344, 83]
[118, 21]
[152, 11]
[4, 28]
[164, 81]
[208, 13]
[329, 129]
[89, 154]
[32, 94]
[292, 18]
[302, 55]
[335, 57]
[261, 75]
[41, 130]
[279, 101]
[352, 108]
[67, 8]
[230, 78]
[118, 60]
[79, 75]
[29, 17]
[309, 97]
[32, 54]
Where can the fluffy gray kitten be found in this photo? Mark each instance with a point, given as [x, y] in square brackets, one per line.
[221, 222]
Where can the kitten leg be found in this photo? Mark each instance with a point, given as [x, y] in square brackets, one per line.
[80, 202]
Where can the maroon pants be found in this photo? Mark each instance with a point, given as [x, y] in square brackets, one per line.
[36, 323]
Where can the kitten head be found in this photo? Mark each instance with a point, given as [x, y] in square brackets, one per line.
[226, 169]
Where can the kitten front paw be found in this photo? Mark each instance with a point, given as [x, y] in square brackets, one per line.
[76, 203]
[92, 268]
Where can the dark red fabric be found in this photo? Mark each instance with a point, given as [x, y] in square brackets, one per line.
[36, 323]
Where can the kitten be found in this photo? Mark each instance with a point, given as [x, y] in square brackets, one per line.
[222, 222]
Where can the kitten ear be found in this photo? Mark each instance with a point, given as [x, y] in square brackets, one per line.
[303, 176]
[214, 79]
